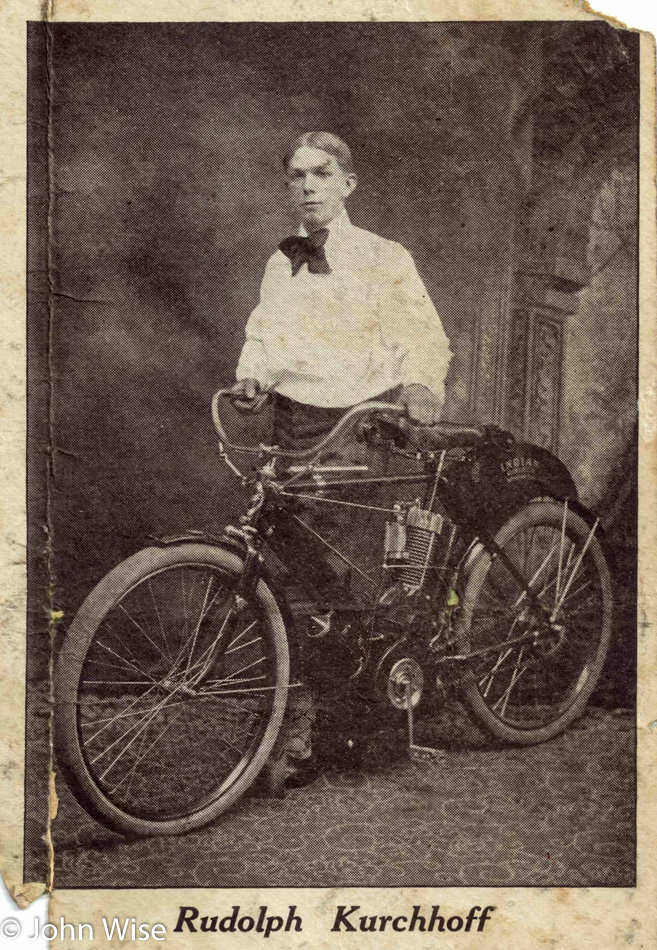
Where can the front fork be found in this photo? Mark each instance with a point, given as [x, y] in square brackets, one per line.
[250, 538]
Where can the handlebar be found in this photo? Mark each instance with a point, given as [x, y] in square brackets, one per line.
[218, 426]
[355, 412]
[442, 435]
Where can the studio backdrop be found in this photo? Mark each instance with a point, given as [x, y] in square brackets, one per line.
[502, 156]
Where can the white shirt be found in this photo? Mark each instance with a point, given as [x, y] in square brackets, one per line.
[334, 340]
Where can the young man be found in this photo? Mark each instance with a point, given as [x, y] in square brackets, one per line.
[343, 318]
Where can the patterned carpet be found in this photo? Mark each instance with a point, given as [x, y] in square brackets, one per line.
[559, 814]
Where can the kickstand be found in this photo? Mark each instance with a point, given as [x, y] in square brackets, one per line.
[418, 753]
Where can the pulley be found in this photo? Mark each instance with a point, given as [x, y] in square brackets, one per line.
[405, 683]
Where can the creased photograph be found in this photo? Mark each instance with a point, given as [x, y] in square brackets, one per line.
[338, 616]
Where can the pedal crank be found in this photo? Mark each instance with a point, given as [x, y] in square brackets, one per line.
[405, 684]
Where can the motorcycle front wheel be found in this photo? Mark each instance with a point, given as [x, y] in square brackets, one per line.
[169, 690]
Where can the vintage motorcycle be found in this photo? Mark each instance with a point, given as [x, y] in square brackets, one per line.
[172, 682]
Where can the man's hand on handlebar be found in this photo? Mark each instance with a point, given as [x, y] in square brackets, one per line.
[247, 396]
[421, 404]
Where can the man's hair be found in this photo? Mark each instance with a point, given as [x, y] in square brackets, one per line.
[327, 142]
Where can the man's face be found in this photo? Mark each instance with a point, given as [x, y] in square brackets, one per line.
[318, 186]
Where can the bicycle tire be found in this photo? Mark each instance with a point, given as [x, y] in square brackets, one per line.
[76, 700]
[489, 706]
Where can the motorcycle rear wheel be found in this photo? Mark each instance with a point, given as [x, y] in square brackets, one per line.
[528, 679]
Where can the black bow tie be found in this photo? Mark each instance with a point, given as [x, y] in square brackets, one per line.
[307, 250]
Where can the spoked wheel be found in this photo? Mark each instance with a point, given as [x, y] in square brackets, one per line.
[533, 668]
[169, 690]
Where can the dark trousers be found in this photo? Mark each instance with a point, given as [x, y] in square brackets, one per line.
[296, 427]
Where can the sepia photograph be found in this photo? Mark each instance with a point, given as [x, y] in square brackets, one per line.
[332, 455]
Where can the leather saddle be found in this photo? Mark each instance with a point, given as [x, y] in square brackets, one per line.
[438, 437]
